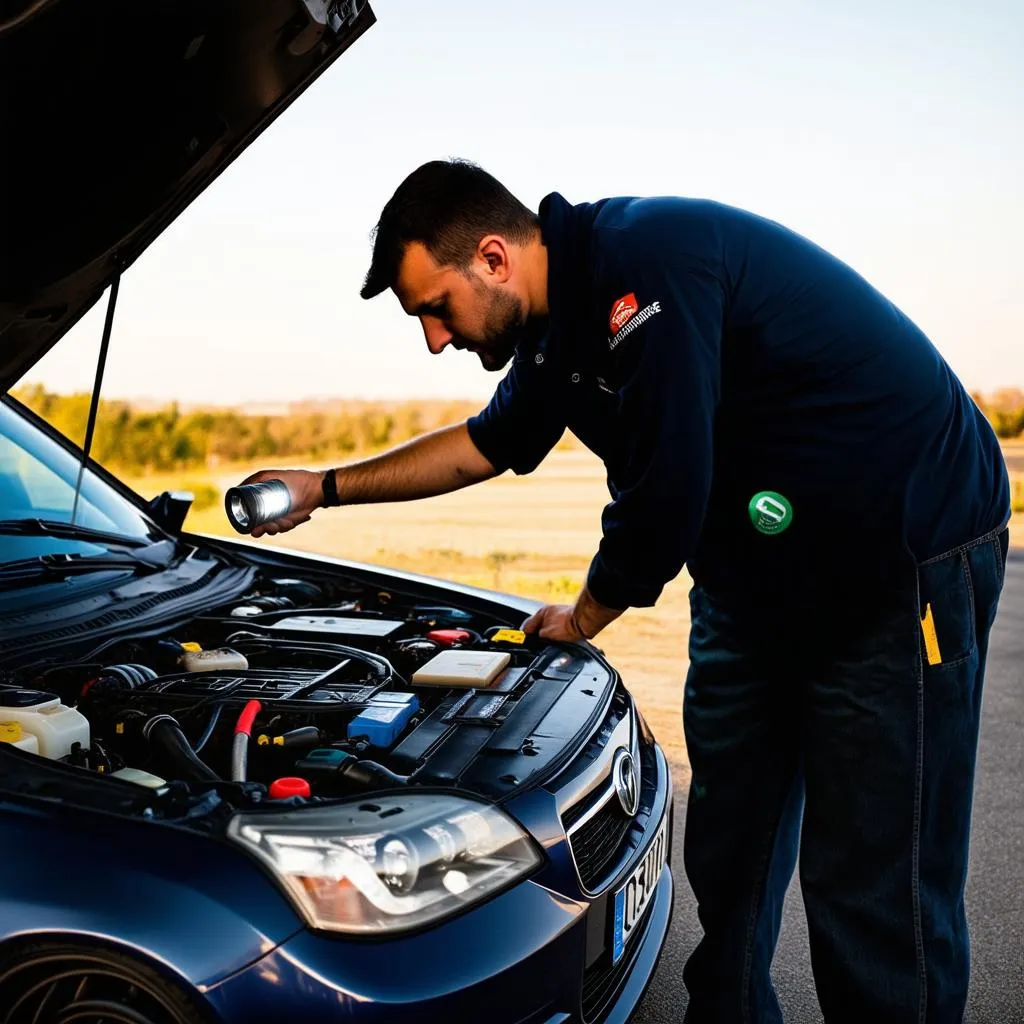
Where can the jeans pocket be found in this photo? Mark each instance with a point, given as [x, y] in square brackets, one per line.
[946, 611]
[988, 575]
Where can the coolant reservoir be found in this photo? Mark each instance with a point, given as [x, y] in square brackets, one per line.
[221, 659]
[55, 726]
[12, 732]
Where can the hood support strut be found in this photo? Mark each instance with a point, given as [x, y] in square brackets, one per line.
[94, 402]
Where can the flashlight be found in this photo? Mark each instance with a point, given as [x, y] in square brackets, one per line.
[251, 505]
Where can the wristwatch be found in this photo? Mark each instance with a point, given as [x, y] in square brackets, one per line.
[330, 487]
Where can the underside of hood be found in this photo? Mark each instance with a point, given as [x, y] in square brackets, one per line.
[115, 116]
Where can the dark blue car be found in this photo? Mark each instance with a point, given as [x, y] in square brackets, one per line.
[244, 785]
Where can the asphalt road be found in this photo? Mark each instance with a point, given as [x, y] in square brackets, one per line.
[995, 887]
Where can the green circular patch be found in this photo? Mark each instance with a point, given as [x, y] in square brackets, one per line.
[770, 512]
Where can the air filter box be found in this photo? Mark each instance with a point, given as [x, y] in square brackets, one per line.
[461, 668]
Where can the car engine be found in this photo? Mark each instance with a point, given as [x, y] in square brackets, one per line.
[302, 686]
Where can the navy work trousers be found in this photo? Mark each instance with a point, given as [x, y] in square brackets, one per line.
[849, 742]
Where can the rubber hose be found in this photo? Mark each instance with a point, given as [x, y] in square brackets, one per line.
[371, 774]
[210, 726]
[240, 745]
[165, 732]
[239, 756]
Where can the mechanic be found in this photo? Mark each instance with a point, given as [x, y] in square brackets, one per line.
[773, 423]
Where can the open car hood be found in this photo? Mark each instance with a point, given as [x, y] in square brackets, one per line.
[116, 115]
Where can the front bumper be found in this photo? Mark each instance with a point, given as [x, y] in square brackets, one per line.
[539, 952]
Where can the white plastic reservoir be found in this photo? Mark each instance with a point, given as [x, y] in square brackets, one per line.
[54, 725]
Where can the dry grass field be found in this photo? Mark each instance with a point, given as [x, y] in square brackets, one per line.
[528, 535]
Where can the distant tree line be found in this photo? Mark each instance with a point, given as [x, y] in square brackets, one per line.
[1004, 410]
[141, 439]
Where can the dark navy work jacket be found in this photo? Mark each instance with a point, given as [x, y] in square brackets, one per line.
[705, 355]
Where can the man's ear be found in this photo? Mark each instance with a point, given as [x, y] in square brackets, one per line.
[494, 251]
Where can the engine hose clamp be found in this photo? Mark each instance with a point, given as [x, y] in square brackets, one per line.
[148, 728]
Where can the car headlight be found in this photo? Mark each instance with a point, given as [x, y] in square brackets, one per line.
[389, 863]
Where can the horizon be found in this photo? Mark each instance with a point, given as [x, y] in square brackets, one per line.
[259, 407]
[880, 133]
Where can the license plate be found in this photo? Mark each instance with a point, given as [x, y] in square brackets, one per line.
[632, 898]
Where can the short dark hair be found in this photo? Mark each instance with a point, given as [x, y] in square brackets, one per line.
[448, 206]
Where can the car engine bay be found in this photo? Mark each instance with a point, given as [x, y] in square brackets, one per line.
[309, 687]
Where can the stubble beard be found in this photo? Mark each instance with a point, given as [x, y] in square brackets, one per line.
[505, 327]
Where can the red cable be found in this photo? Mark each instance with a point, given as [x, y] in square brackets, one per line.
[247, 717]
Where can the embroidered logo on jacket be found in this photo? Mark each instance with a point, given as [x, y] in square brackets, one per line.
[622, 311]
[635, 321]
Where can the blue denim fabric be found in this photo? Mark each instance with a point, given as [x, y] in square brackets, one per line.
[832, 740]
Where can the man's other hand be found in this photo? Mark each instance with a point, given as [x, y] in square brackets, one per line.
[306, 490]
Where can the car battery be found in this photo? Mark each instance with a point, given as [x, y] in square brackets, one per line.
[382, 724]
[395, 697]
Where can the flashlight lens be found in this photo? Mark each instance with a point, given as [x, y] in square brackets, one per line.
[238, 511]
[250, 505]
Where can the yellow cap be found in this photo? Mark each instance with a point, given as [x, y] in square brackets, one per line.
[192, 647]
[10, 732]
[509, 636]
[262, 740]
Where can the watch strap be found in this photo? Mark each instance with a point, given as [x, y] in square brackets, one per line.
[330, 489]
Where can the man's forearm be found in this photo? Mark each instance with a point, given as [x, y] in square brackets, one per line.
[589, 616]
[580, 621]
[442, 461]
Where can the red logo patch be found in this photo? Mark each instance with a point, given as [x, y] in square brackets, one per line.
[622, 311]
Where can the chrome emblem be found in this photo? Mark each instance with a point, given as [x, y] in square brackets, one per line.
[626, 779]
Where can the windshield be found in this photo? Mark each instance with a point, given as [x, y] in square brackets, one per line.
[37, 481]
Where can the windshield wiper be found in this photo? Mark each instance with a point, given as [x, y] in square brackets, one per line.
[67, 531]
[62, 566]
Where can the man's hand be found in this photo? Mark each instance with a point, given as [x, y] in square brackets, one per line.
[306, 489]
[571, 623]
[555, 622]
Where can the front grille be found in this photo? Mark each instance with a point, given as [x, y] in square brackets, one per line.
[596, 825]
[603, 979]
[596, 845]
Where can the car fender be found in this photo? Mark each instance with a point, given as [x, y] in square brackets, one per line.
[191, 902]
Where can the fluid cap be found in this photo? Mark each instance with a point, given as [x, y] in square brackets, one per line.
[449, 636]
[509, 636]
[10, 732]
[770, 512]
[282, 789]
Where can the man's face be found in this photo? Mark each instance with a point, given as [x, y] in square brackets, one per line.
[474, 309]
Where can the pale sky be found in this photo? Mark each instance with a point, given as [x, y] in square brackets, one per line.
[890, 132]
